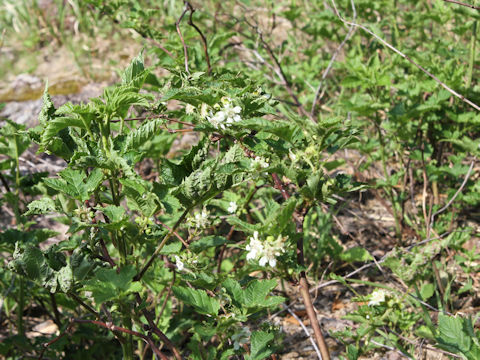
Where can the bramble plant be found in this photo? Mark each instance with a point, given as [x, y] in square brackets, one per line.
[208, 181]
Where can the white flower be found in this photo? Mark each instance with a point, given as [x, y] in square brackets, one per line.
[266, 252]
[377, 297]
[292, 156]
[204, 111]
[233, 207]
[201, 219]
[179, 263]
[260, 162]
[255, 247]
[189, 109]
[225, 116]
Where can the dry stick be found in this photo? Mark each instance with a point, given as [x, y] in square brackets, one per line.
[280, 72]
[177, 24]
[307, 300]
[391, 348]
[204, 39]
[463, 4]
[305, 330]
[421, 68]
[432, 219]
[351, 30]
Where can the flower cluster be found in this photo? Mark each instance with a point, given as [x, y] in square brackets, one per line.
[223, 116]
[377, 297]
[200, 219]
[265, 251]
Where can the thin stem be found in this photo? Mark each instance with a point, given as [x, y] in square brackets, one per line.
[157, 331]
[473, 42]
[304, 292]
[84, 305]
[20, 306]
[463, 4]
[204, 39]
[177, 24]
[150, 261]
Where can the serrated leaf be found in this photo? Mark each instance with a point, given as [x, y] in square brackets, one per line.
[260, 345]
[451, 335]
[172, 248]
[44, 205]
[199, 299]
[207, 242]
[143, 133]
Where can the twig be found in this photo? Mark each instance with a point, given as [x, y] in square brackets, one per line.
[174, 233]
[351, 30]
[305, 330]
[391, 348]
[55, 310]
[86, 306]
[155, 116]
[204, 39]
[432, 219]
[107, 255]
[177, 24]
[463, 4]
[160, 46]
[304, 292]
[421, 68]
[281, 73]
[157, 331]
[159, 248]
[4, 182]
[108, 326]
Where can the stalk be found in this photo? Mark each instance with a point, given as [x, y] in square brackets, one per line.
[398, 229]
[471, 61]
[127, 347]
[21, 306]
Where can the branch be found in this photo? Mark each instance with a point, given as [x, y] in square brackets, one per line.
[177, 24]
[108, 326]
[157, 331]
[432, 219]
[421, 68]
[160, 247]
[351, 30]
[204, 39]
[280, 71]
[304, 292]
[463, 4]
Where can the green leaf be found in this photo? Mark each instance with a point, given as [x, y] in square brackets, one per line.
[356, 254]
[199, 299]
[427, 291]
[255, 295]
[143, 133]
[44, 205]
[207, 242]
[261, 345]
[172, 248]
[451, 335]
